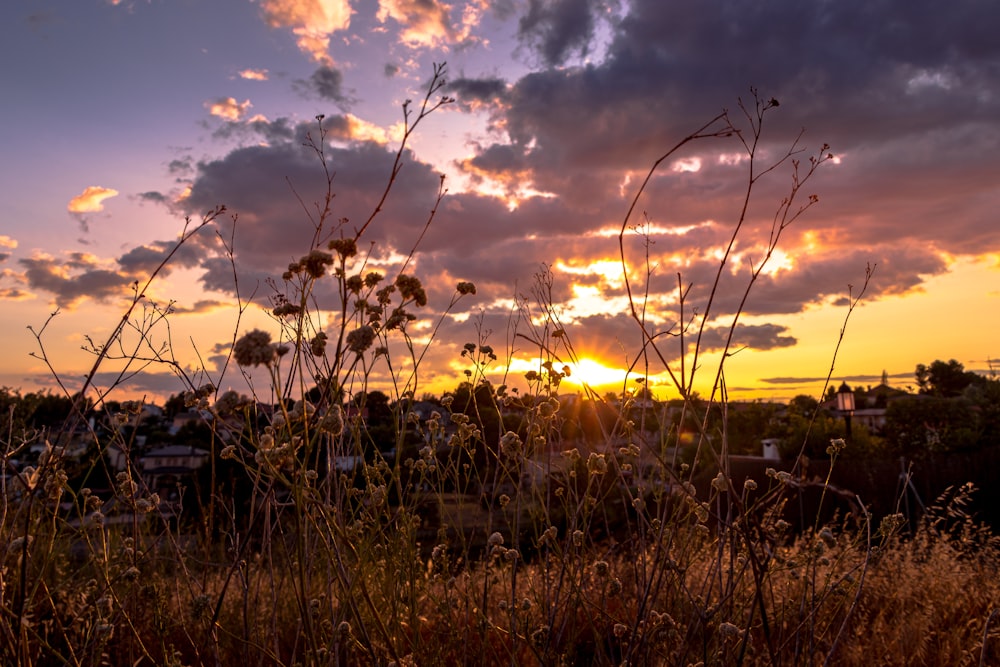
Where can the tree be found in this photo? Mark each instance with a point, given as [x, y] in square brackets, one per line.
[945, 378]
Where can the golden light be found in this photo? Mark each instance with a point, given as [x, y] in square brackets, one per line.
[592, 373]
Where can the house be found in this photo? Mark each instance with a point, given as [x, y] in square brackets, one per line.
[166, 469]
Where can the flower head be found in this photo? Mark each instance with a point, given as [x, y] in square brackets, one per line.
[255, 349]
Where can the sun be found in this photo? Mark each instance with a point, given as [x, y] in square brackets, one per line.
[592, 373]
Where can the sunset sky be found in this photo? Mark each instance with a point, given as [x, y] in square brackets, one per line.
[121, 117]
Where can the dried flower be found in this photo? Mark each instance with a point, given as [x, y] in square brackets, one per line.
[510, 444]
[719, 483]
[344, 247]
[597, 464]
[410, 288]
[360, 339]
[255, 349]
[464, 288]
[318, 344]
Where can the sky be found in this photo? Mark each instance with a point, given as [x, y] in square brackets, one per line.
[122, 118]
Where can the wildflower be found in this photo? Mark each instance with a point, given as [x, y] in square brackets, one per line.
[549, 535]
[619, 630]
[318, 344]
[749, 485]
[398, 319]
[837, 445]
[147, 505]
[354, 284]
[615, 587]
[333, 421]
[784, 477]
[540, 635]
[373, 278]
[827, 536]
[411, 288]
[126, 485]
[464, 288]
[286, 309]
[495, 540]
[549, 407]
[601, 568]
[510, 444]
[343, 247]
[719, 483]
[596, 464]
[384, 295]
[255, 349]
[360, 339]
[728, 630]
[447, 401]
[578, 538]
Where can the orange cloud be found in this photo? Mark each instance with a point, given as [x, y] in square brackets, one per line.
[228, 108]
[91, 200]
[426, 23]
[312, 22]
[7, 242]
[254, 74]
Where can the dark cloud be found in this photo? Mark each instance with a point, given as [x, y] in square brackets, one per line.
[198, 307]
[327, 83]
[477, 91]
[180, 167]
[390, 70]
[83, 280]
[145, 259]
[751, 336]
[559, 29]
[154, 197]
[860, 79]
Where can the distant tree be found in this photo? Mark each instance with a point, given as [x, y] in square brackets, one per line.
[174, 406]
[922, 424]
[945, 378]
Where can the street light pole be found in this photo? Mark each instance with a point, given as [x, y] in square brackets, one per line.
[845, 404]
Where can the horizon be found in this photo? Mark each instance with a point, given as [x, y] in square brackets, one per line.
[560, 110]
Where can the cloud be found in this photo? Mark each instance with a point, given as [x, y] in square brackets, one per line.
[558, 29]
[426, 23]
[326, 82]
[144, 259]
[254, 74]
[78, 277]
[311, 21]
[14, 294]
[91, 200]
[198, 307]
[475, 94]
[6, 243]
[227, 108]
